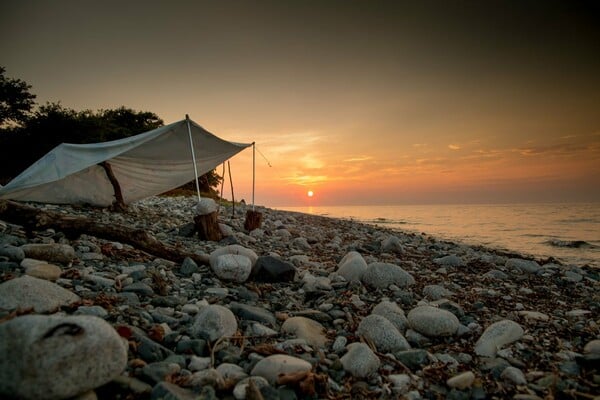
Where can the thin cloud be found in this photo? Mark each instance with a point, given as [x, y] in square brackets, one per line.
[358, 159]
[454, 147]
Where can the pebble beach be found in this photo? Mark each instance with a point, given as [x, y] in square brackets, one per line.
[303, 307]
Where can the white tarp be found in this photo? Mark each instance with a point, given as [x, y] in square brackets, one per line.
[144, 165]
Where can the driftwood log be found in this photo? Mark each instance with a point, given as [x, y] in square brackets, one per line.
[207, 227]
[253, 220]
[72, 226]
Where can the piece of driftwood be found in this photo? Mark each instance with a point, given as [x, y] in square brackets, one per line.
[72, 226]
[119, 203]
[207, 227]
[253, 220]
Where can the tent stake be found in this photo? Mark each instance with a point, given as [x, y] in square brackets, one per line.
[187, 119]
[232, 195]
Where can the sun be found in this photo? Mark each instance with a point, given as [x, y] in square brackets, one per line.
[310, 193]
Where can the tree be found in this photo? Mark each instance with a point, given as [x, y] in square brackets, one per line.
[16, 101]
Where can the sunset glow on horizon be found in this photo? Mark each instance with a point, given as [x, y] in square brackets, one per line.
[357, 103]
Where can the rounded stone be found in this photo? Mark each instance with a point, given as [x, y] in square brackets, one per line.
[214, 322]
[29, 292]
[233, 249]
[432, 321]
[382, 275]
[514, 375]
[383, 333]
[239, 391]
[461, 381]
[392, 312]
[49, 272]
[272, 366]
[54, 252]
[305, 328]
[360, 361]
[232, 267]
[592, 347]
[352, 266]
[392, 244]
[56, 357]
[527, 266]
[497, 335]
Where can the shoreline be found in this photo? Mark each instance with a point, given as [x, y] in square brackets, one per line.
[325, 314]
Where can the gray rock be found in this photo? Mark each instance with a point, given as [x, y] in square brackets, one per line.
[514, 375]
[159, 371]
[400, 383]
[352, 266]
[272, 269]
[383, 333]
[53, 252]
[231, 374]
[55, 357]
[392, 312]
[188, 267]
[206, 377]
[253, 313]
[239, 391]
[307, 329]
[392, 244]
[301, 243]
[271, 366]
[232, 267]
[360, 361]
[461, 381]
[235, 249]
[497, 335]
[170, 391]
[29, 292]
[436, 292]
[496, 274]
[527, 266]
[214, 322]
[339, 344]
[415, 359]
[139, 288]
[451, 260]
[43, 270]
[96, 311]
[592, 347]
[381, 275]
[150, 351]
[432, 321]
[13, 253]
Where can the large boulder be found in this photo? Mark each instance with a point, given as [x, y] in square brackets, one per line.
[56, 357]
[29, 292]
[352, 266]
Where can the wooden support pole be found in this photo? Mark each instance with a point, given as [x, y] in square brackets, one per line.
[253, 220]
[207, 227]
[119, 203]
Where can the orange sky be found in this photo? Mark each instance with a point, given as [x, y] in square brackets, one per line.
[362, 102]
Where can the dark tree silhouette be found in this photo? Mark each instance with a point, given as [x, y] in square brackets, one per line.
[16, 101]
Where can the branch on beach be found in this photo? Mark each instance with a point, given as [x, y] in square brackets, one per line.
[34, 219]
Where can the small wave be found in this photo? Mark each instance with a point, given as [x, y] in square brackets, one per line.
[385, 221]
[574, 244]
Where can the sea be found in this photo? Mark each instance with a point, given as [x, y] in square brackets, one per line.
[567, 232]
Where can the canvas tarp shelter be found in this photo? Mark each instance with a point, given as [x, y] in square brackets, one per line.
[144, 165]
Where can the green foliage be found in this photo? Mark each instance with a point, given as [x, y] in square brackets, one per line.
[15, 100]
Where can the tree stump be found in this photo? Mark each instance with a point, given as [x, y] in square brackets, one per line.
[253, 220]
[207, 227]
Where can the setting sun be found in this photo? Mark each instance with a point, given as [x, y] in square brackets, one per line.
[310, 193]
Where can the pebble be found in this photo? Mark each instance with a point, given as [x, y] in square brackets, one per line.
[393, 313]
[436, 292]
[360, 361]
[451, 260]
[305, 328]
[497, 335]
[240, 389]
[522, 265]
[53, 252]
[49, 357]
[382, 275]
[432, 321]
[42, 270]
[461, 381]
[272, 366]
[352, 266]
[214, 322]
[514, 375]
[232, 267]
[383, 333]
[13, 253]
[392, 244]
[28, 292]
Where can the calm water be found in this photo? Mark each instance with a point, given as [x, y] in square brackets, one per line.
[567, 232]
